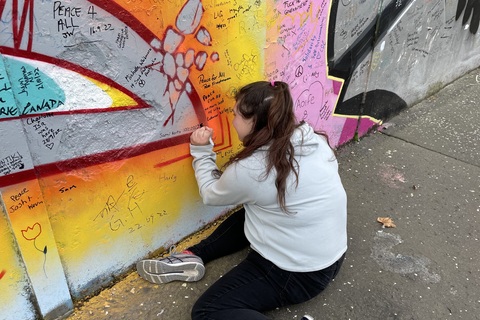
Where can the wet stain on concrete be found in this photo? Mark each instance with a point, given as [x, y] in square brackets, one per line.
[398, 263]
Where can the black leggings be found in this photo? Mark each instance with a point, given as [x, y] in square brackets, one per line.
[256, 285]
[227, 238]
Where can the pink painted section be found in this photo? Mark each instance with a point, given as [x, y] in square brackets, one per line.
[366, 124]
[348, 131]
[296, 54]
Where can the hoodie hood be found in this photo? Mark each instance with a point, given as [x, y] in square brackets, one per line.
[304, 140]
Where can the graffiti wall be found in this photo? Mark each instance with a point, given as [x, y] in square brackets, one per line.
[98, 100]
[394, 53]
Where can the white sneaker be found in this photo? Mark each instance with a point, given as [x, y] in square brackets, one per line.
[178, 266]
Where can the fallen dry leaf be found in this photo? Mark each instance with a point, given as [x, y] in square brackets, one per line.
[386, 222]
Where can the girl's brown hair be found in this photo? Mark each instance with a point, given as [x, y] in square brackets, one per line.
[270, 106]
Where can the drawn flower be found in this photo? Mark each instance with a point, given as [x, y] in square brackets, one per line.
[31, 233]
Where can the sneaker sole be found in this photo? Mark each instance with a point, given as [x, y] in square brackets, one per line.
[160, 272]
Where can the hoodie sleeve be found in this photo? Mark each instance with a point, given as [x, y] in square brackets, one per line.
[231, 188]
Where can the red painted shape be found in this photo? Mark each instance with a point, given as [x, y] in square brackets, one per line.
[75, 68]
[18, 30]
[107, 156]
[90, 160]
[2, 274]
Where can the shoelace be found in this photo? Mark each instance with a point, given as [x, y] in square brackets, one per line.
[172, 259]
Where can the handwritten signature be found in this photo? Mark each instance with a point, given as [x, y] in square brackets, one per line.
[128, 199]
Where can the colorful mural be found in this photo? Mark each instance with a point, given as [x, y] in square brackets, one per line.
[98, 100]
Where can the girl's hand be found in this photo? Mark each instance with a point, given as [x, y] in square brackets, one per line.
[201, 136]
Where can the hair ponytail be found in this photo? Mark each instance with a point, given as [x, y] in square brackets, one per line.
[270, 105]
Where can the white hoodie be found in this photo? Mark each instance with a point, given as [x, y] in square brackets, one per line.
[313, 235]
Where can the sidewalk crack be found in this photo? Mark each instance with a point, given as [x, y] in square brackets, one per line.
[430, 149]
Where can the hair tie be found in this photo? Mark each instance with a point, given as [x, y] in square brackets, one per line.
[272, 83]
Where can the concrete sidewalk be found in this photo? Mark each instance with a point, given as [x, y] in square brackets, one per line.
[423, 171]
